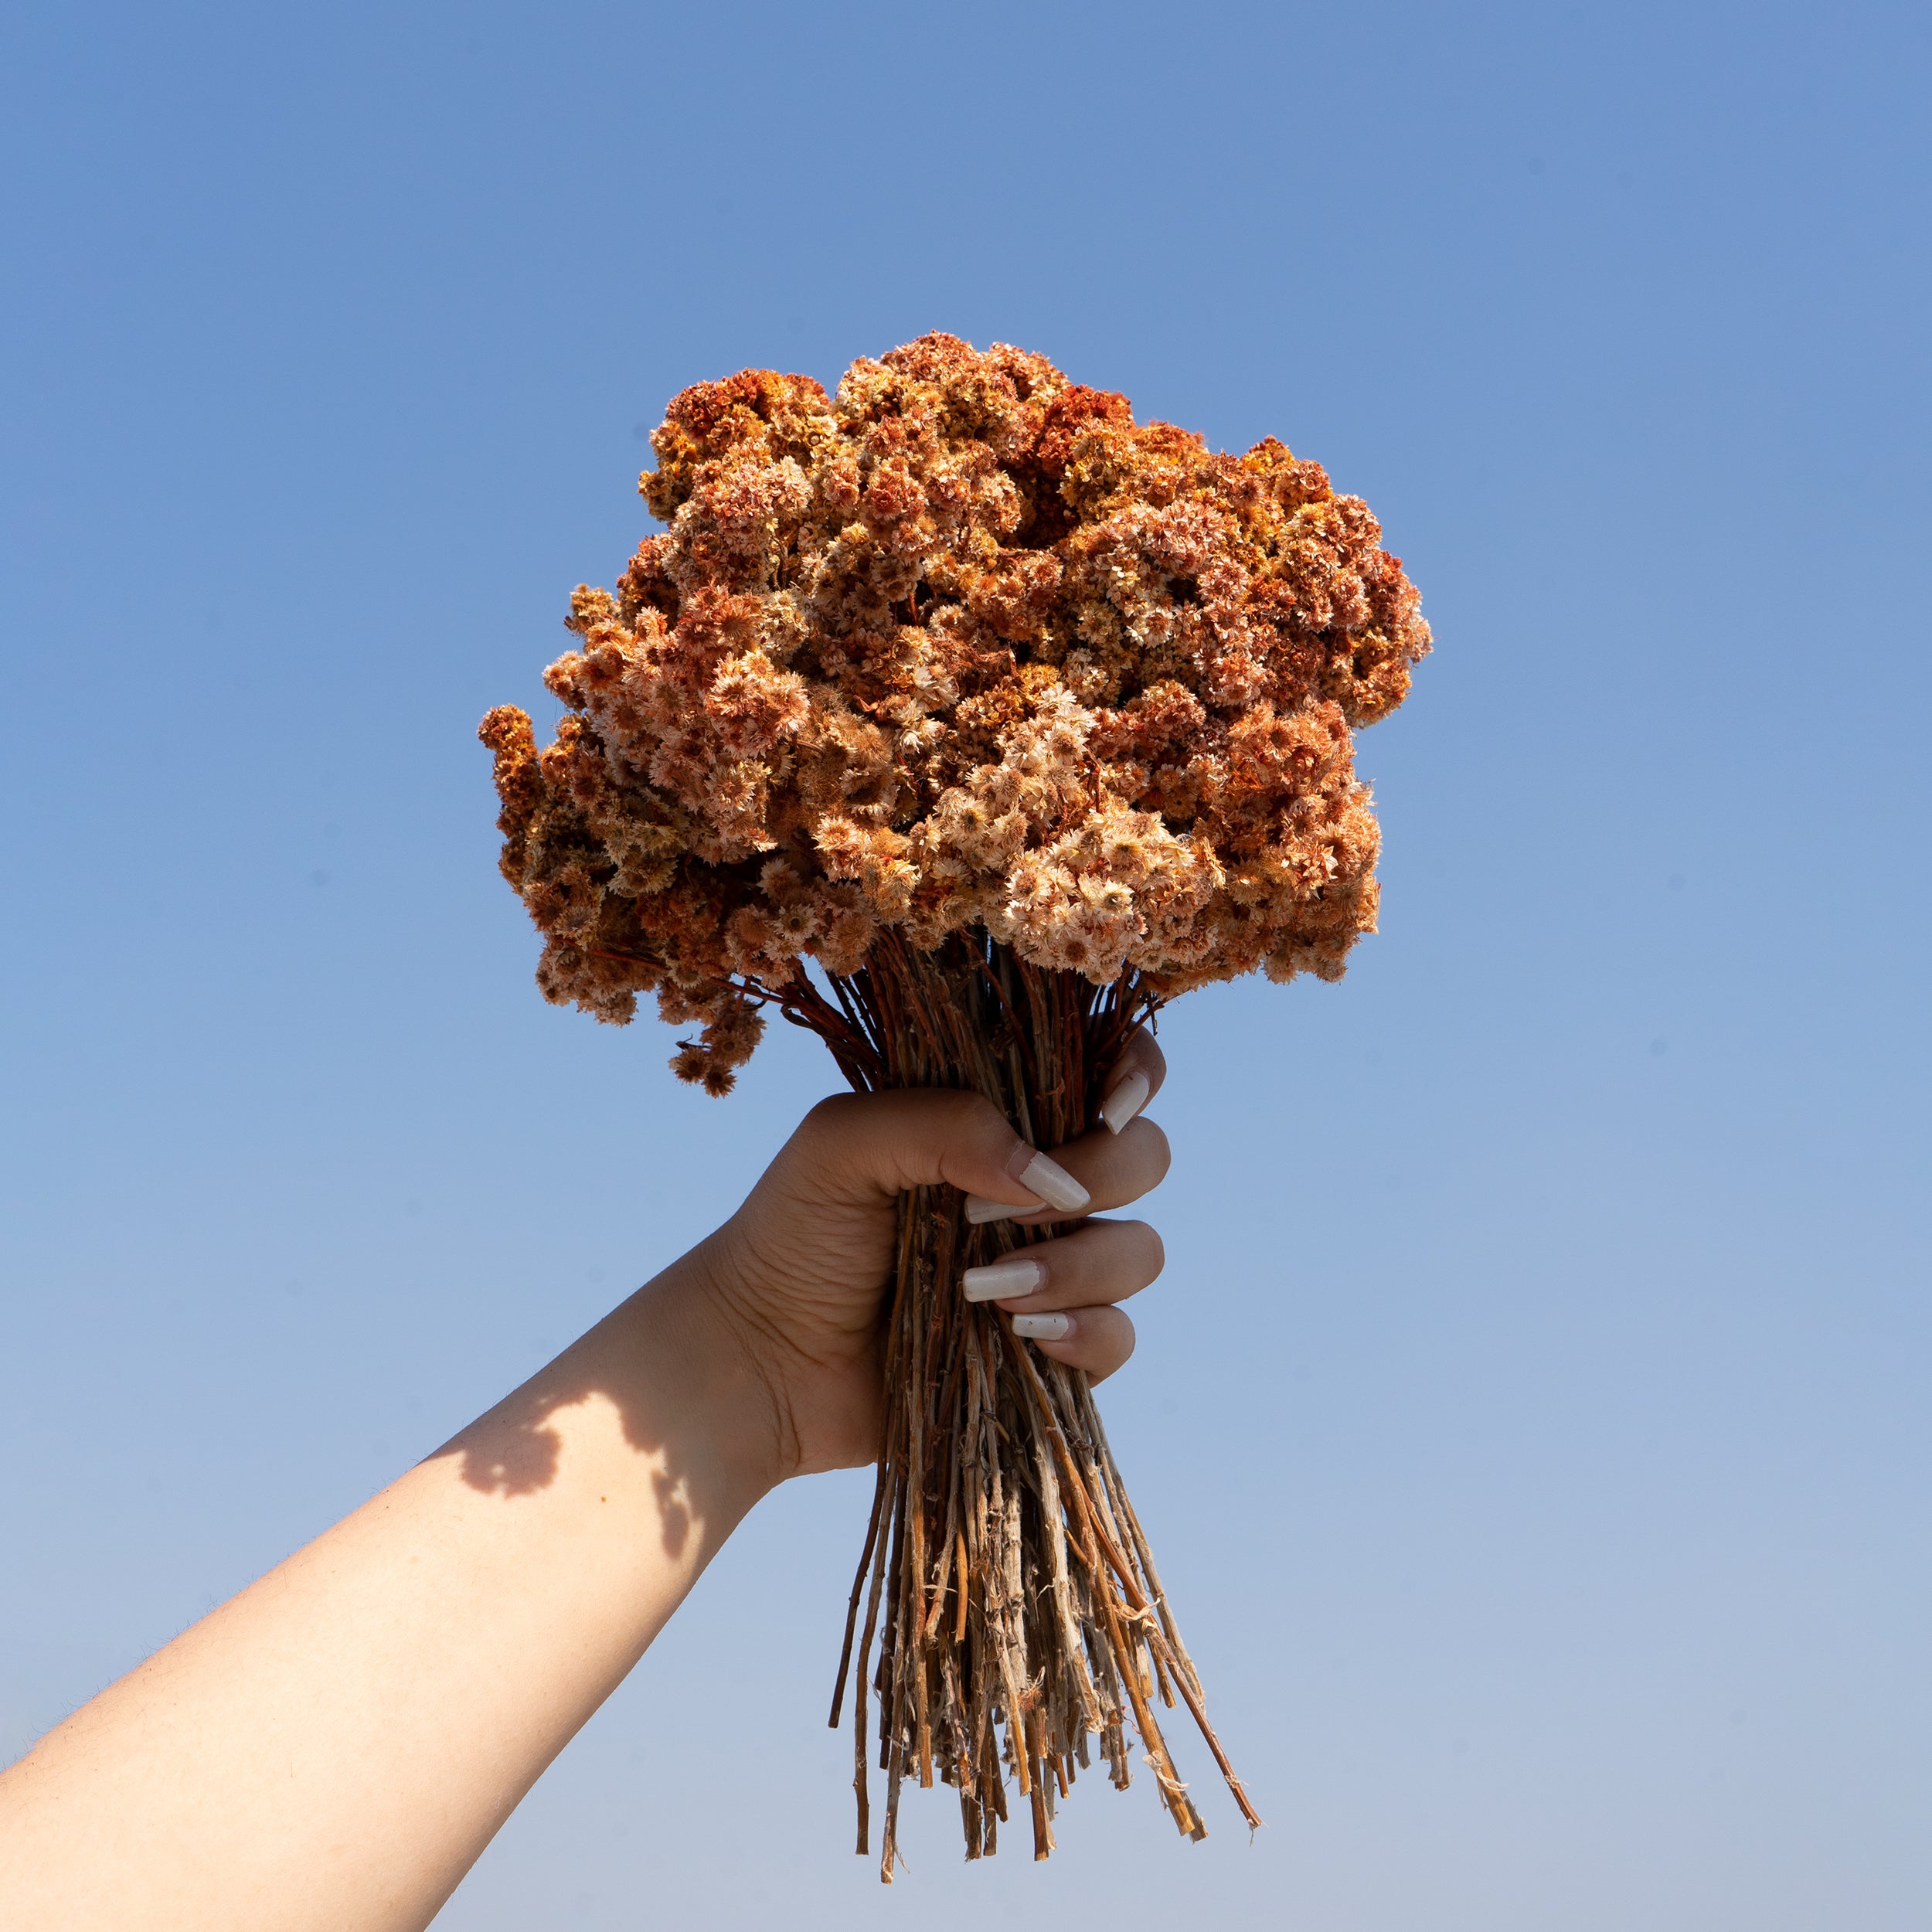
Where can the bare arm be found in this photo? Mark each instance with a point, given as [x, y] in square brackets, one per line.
[333, 1747]
[336, 1745]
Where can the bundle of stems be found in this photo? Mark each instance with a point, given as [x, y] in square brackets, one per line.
[1020, 1622]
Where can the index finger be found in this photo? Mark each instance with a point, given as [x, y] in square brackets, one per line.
[1133, 1079]
[1111, 1169]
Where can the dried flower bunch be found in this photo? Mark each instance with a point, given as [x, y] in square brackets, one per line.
[965, 647]
[1016, 718]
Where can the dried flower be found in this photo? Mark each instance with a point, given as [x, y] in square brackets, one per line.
[963, 646]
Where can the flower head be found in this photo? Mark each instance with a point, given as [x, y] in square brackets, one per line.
[961, 646]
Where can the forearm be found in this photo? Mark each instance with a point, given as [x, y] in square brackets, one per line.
[335, 1746]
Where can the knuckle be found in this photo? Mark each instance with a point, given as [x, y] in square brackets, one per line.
[827, 1130]
[830, 1114]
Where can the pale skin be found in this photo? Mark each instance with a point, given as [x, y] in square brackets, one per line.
[333, 1747]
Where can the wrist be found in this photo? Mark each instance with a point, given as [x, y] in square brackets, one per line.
[712, 1376]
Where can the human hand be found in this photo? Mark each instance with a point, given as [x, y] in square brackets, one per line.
[796, 1281]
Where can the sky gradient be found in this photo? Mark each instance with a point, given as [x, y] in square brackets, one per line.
[1532, 1423]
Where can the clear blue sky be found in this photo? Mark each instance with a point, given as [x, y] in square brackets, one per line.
[1533, 1423]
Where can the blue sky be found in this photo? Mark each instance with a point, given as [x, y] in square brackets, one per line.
[1531, 1422]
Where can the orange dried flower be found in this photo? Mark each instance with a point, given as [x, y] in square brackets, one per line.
[963, 646]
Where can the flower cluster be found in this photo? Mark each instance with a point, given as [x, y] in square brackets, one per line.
[962, 647]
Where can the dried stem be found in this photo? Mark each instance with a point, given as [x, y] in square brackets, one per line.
[1017, 1608]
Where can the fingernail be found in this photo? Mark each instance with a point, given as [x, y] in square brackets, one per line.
[1048, 1179]
[1126, 1100]
[1001, 1280]
[1043, 1327]
[979, 1209]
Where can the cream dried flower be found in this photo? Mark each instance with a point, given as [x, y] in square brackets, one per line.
[963, 646]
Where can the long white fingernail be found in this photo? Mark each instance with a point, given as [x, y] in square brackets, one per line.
[1002, 1281]
[1043, 1327]
[1053, 1184]
[1126, 1100]
[979, 1209]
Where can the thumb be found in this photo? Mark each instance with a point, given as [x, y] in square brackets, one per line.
[873, 1143]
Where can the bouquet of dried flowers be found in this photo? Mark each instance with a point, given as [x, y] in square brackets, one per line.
[964, 720]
